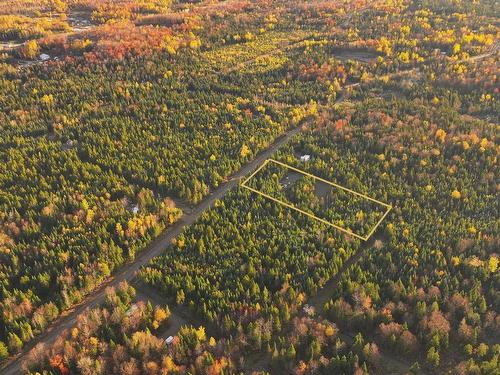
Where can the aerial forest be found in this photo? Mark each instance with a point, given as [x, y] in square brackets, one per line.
[123, 121]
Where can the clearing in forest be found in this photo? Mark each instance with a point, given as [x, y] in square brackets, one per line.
[351, 212]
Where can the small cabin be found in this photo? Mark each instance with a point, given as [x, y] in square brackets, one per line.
[305, 158]
[169, 340]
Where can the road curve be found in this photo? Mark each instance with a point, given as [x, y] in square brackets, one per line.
[127, 272]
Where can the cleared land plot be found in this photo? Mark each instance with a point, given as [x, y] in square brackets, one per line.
[342, 208]
[361, 55]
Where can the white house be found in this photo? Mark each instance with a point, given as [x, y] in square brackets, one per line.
[169, 340]
[305, 158]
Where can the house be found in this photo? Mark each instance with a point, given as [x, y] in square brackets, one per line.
[44, 57]
[169, 340]
[305, 158]
[135, 209]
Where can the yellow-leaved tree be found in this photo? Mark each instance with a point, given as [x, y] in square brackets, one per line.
[29, 50]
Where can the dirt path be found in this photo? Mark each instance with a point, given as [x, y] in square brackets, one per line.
[175, 322]
[241, 65]
[389, 363]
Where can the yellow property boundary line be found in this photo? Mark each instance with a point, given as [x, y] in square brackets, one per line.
[349, 232]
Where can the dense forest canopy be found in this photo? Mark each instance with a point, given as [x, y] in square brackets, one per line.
[119, 117]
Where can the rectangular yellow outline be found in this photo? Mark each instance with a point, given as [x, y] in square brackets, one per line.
[366, 238]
